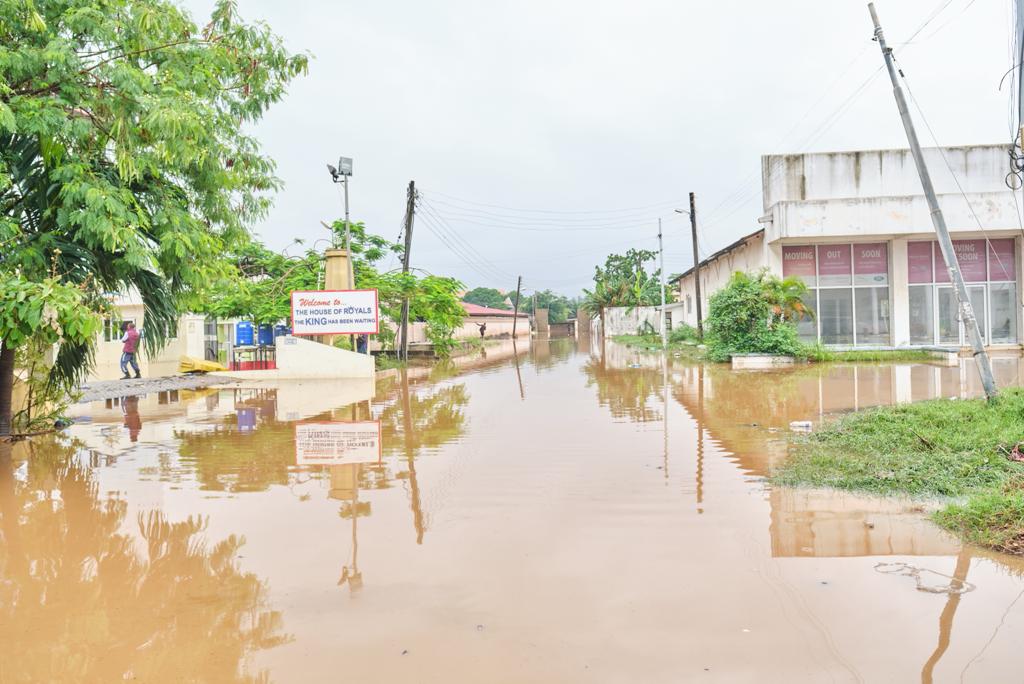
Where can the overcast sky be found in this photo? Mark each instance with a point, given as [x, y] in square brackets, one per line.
[546, 134]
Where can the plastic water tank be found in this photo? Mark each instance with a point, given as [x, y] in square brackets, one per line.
[243, 334]
[280, 330]
[265, 335]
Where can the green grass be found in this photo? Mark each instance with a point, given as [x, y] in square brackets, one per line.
[939, 448]
[652, 343]
[821, 354]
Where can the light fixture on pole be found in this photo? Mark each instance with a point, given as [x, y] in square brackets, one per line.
[341, 174]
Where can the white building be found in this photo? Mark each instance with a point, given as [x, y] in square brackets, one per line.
[856, 227]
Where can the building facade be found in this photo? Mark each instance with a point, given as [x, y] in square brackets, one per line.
[856, 228]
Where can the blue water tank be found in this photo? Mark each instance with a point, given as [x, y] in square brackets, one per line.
[280, 330]
[265, 335]
[243, 334]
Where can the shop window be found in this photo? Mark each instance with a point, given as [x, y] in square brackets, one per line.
[835, 313]
[1003, 307]
[922, 313]
[872, 315]
[807, 327]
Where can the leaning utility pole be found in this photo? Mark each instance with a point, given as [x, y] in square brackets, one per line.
[696, 265]
[410, 213]
[945, 243]
[515, 316]
[661, 284]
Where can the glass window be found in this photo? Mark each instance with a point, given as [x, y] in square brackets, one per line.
[949, 317]
[872, 315]
[922, 315]
[871, 264]
[799, 261]
[1003, 298]
[1002, 266]
[977, 295]
[113, 328]
[919, 262]
[807, 327]
[834, 263]
[835, 315]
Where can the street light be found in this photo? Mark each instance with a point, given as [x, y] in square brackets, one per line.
[341, 174]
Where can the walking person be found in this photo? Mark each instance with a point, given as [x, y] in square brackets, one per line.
[483, 329]
[130, 339]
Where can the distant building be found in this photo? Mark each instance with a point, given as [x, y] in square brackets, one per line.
[856, 228]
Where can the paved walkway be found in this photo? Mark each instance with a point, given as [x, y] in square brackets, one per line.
[108, 389]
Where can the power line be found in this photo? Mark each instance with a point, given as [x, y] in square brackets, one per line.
[559, 211]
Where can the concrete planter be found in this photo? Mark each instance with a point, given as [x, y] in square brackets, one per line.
[761, 361]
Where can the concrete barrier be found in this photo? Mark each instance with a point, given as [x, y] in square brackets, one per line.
[760, 361]
[298, 358]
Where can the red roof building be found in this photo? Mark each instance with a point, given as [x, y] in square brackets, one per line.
[475, 310]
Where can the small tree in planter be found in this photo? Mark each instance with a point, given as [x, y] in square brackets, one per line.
[755, 314]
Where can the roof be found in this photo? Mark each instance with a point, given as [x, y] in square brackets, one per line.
[722, 252]
[477, 310]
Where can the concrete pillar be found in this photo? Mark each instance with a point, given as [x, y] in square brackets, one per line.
[541, 319]
[336, 270]
[899, 294]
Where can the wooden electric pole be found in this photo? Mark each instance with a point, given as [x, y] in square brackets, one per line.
[410, 213]
[515, 317]
[696, 265]
[938, 220]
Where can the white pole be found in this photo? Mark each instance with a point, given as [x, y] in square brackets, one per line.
[661, 284]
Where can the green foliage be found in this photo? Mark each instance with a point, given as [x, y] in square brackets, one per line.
[487, 296]
[124, 158]
[822, 354]
[624, 281]
[560, 308]
[754, 315]
[681, 332]
[436, 302]
[941, 447]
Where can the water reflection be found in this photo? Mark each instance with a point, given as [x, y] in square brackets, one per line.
[83, 601]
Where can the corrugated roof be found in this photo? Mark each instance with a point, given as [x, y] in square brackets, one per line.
[722, 252]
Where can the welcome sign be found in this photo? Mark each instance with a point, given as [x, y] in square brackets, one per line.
[335, 312]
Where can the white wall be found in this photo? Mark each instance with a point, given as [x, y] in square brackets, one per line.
[298, 358]
[749, 257]
[620, 320]
[497, 326]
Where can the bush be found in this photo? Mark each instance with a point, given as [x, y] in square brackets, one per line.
[754, 315]
[681, 332]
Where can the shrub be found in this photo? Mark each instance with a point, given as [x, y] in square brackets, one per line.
[681, 332]
[755, 315]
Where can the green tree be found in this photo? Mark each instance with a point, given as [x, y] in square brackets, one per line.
[487, 296]
[624, 281]
[124, 158]
[755, 314]
[560, 308]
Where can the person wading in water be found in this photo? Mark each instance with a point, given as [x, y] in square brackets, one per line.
[131, 339]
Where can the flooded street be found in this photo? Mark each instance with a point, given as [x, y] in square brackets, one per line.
[551, 514]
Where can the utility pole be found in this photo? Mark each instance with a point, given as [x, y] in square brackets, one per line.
[696, 265]
[410, 213]
[661, 284]
[939, 221]
[515, 317]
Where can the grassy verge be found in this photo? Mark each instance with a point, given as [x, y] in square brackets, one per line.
[821, 354]
[941, 448]
[652, 343]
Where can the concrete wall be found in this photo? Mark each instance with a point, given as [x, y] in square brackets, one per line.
[188, 342]
[749, 257]
[497, 326]
[870, 174]
[625, 321]
[298, 358]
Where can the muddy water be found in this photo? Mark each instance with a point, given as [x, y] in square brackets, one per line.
[551, 514]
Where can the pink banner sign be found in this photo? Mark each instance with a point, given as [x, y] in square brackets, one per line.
[834, 264]
[1002, 266]
[871, 263]
[919, 262]
[799, 261]
[970, 254]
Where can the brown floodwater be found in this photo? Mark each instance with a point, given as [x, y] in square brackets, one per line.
[559, 513]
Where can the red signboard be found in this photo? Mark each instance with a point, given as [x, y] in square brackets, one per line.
[799, 261]
[834, 264]
[871, 263]
[1002, 266]
[919, 262]
[970, 254]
